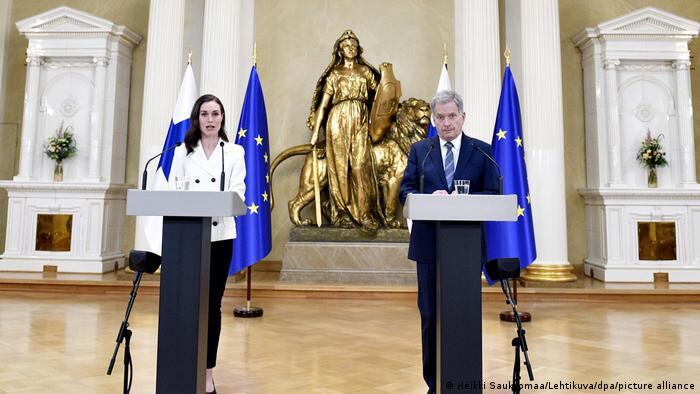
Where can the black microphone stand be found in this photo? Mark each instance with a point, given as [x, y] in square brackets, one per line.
[125, 334]
[223, 174]
[144, 176]
[422, 172]
[519, 342]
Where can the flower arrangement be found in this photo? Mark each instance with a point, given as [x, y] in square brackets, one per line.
[62, 145]
[650, 153]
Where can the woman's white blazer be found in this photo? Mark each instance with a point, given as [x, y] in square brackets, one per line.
[205, 174]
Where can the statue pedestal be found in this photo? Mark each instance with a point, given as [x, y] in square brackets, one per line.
[347, 256]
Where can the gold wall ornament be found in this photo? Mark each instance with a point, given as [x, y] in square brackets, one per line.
[390, 159]
[656, 241]
[53, 232]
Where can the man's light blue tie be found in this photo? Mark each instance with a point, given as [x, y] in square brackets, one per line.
[449, 164]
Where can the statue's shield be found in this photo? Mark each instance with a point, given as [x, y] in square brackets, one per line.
[386, 103]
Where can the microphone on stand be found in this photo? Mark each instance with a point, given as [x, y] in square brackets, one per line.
[422, 164]
[223, 174]
[144, 178]
[500, 177]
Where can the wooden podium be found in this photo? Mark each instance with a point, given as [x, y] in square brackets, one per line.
[184, 279]
[459, 244]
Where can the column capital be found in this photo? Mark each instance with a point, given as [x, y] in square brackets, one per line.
[611, 64]
[100, 61]
[683, 64]
[34, 60]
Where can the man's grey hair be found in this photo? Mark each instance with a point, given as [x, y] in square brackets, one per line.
[447, 96]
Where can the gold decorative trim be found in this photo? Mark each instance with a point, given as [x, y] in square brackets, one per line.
[549, 273]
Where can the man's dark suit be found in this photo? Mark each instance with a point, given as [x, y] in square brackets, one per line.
[483, 176]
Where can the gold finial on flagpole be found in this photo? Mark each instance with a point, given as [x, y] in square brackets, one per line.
[506, 54]
[189, 57]
[255, 54]
[444, 53]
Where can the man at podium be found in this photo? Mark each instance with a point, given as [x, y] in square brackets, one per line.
[433, 166]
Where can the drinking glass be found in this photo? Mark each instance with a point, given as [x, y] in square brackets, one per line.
[182, 183]
[462, 186]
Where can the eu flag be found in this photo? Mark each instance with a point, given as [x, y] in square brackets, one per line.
[254, 240]
[511, 239]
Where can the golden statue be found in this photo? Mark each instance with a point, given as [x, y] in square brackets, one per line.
[354, 176]
[390, 158]
[391, 154]
[341, 103]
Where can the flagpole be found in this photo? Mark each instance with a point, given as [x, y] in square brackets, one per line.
[509, 315]
[249, 311]
[444, 53]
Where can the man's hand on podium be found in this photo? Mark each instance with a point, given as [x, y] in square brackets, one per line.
[442, 192]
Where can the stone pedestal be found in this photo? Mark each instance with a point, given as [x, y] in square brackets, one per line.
[74, 227]
[340, 256]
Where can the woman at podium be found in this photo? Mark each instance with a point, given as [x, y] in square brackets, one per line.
[198, 165]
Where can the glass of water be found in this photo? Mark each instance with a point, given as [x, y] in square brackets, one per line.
[462, 186]
[182, 182]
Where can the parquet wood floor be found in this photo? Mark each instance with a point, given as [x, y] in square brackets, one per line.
[61, 343]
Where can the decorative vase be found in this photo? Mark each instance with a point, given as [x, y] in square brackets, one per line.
[651, 179]
[58, 171]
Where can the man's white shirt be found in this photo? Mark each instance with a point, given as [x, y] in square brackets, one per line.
[456, 145]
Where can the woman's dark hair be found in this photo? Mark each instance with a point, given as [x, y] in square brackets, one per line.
[194, 134]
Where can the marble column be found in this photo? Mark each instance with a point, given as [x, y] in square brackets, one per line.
[97, 121]
[29, 119]
[543, 129]
[227, 53]
[613, 123]
[165, 63]
[685, 123]
[5, 17]
[477, 64]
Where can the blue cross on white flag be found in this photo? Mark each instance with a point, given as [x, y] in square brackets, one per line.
[179, 124]
[443, 84]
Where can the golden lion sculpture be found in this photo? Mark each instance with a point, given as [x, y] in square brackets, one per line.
[390, 159]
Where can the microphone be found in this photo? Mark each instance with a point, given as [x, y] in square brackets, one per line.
[500, 177]
[422, 164]
[223, 175]
[144, 178]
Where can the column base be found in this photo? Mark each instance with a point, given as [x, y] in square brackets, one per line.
[549, 273]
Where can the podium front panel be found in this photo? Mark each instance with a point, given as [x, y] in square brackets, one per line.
[462, 207]
[458, 288]
[183, 203]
